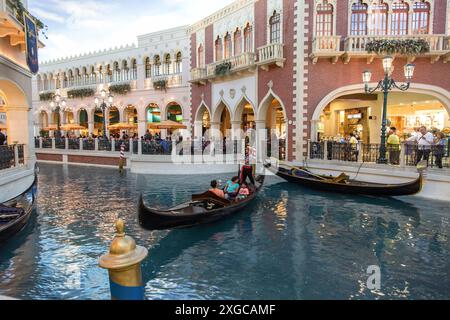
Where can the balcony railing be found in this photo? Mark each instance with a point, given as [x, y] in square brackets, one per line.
[326, 46]
[403, 155]
[12, 156]
[238, 63]
[271, 54]
[198, 74]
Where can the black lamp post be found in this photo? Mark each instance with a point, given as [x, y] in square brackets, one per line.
[103, 106]
[55, 105]
[386, 85]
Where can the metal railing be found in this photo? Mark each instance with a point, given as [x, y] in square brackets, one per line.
[402, 155]
[239, 62]
[12, 156]
[437, 42]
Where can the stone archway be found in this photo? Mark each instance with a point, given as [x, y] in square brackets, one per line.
[221, 120]
[202, 121]
[437, 92]
[16, 107]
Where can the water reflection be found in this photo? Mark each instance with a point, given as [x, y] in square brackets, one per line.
[292, 243]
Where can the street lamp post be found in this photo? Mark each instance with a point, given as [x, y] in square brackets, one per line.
[56, 105]
[386, 85]
[103, 106]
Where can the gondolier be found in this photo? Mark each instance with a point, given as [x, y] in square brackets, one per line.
[122, 157]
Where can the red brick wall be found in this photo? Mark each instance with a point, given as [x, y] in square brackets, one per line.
[282, 78]
[106, 161]
[49, 157]
[325, 77]
[196, 89]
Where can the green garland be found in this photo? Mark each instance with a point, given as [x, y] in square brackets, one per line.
[404, 47]
[223, 68]
[121, 89]
[80, 93]
[19, 9]
[47, 96]
[160, 84]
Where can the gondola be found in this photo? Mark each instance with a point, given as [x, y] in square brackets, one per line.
[203, 208]
[15, 213]
[343, 184]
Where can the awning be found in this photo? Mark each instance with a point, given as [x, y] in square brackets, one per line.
[167, 124]
[122, 126]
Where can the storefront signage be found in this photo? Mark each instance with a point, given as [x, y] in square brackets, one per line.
[355, 116]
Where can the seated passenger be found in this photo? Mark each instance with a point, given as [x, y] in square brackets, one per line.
[231, 188]
[218, 192]
[244, 192]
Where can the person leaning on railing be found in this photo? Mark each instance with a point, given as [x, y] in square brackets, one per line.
[424, 140]
[439, 148]
[393, 144]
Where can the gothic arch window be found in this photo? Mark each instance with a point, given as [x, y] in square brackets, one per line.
[178, 62]
[421, 17]
[100, 74]
[93, 75]
[116, 71]
[324, 19]
[275, 28]
[157, 65]
[237, 42]
[133, 69]
[201, 57]
[228, 46]
[167, 64]
[125, 71]
[218, 49]
[358, 24]
[248, 38]
[377, 19]
[148, 68]
[399, 18]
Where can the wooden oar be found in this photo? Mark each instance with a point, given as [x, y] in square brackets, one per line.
[307, 172]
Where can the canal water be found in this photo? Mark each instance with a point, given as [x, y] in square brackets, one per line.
[292, 243]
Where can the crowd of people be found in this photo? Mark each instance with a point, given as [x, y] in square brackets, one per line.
[422, 141]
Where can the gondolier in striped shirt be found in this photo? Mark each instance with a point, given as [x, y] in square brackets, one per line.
[122, 157]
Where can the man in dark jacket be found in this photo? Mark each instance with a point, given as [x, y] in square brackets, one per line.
[2, 138]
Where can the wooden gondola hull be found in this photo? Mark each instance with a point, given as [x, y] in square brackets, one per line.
[373, 189]
[25, 201]
[153, 219]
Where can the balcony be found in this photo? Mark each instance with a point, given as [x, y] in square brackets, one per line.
[171, 80]
[238, 64]
[10, 26]
[326, 47]
[271, 54]
[355, 46]
[198, 75]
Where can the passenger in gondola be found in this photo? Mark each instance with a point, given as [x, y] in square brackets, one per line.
[244, 192]
[214, 189]
[231, 188]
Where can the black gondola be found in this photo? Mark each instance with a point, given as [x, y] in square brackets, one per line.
[15, 213]
[203, 208]
[342, 183]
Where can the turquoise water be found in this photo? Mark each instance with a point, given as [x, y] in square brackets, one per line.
[292, 243]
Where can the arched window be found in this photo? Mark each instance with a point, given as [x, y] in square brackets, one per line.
[45, 84]
[100, 74]
[275, 28]
[77, 77]
[237, 42]
[218, 46]
[133, 69]
[125, 74]
[93, 75]
[377, 21]
[108, 73]
[157, 65]
[421, 17]
[358, 25]
[85, 75]
[167, 64]
[178, 62]
[399, 18]
[248, 38]
[201, 57]
[148, 68]
[116, 72]
[324, 19]
[228, 46]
